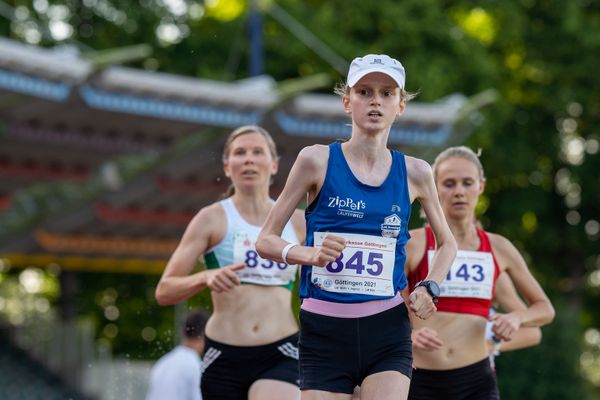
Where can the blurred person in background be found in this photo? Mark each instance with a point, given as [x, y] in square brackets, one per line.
[450, 350]
[176, 375]
[251, 337]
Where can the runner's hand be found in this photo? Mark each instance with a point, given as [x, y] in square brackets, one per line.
[421, 304]
[426, 339]
[505, 325]
[330, 249]
[222, 279]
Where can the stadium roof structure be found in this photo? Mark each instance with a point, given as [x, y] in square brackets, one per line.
[103, 166]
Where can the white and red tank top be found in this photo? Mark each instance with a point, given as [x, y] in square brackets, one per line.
[469, 285]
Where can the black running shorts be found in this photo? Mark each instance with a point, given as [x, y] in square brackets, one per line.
[473, 382]
[337, 354]
[229, 371]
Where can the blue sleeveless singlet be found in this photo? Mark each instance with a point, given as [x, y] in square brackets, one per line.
[374, 222]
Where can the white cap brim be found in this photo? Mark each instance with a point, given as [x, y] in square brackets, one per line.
[353, 80]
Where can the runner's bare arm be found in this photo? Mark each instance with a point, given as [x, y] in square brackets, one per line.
[415, 249]
[299, 225]
[422, 188]
[523, 338]
[539, 311]
[507, 297]
[176, 283]
[306, 177]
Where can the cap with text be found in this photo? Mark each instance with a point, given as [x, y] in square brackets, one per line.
[370, 63]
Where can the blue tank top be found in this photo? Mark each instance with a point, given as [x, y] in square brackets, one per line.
[374, 222]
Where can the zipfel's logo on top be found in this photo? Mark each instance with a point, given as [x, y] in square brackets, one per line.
[347, 207]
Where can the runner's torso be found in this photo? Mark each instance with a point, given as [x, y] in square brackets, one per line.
[463, 307]
[239, 315]
[374, 222]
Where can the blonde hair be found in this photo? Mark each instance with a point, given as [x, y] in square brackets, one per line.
[459, 152]
[456, 152]
[342, 89]
[243, 130]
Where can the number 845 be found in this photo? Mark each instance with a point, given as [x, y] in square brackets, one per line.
[373, 266]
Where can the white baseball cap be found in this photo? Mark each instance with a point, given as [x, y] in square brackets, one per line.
[362, 66]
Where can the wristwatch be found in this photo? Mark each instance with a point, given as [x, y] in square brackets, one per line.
[432, 288]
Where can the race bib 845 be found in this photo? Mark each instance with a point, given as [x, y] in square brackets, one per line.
[366, 266]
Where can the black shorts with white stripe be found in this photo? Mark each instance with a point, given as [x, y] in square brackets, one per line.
[229, 371]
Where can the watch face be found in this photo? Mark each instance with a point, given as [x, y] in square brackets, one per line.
[433, 287]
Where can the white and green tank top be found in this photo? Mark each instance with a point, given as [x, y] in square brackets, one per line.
[238, 246]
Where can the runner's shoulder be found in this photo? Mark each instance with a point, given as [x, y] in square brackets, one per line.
[313, 157]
